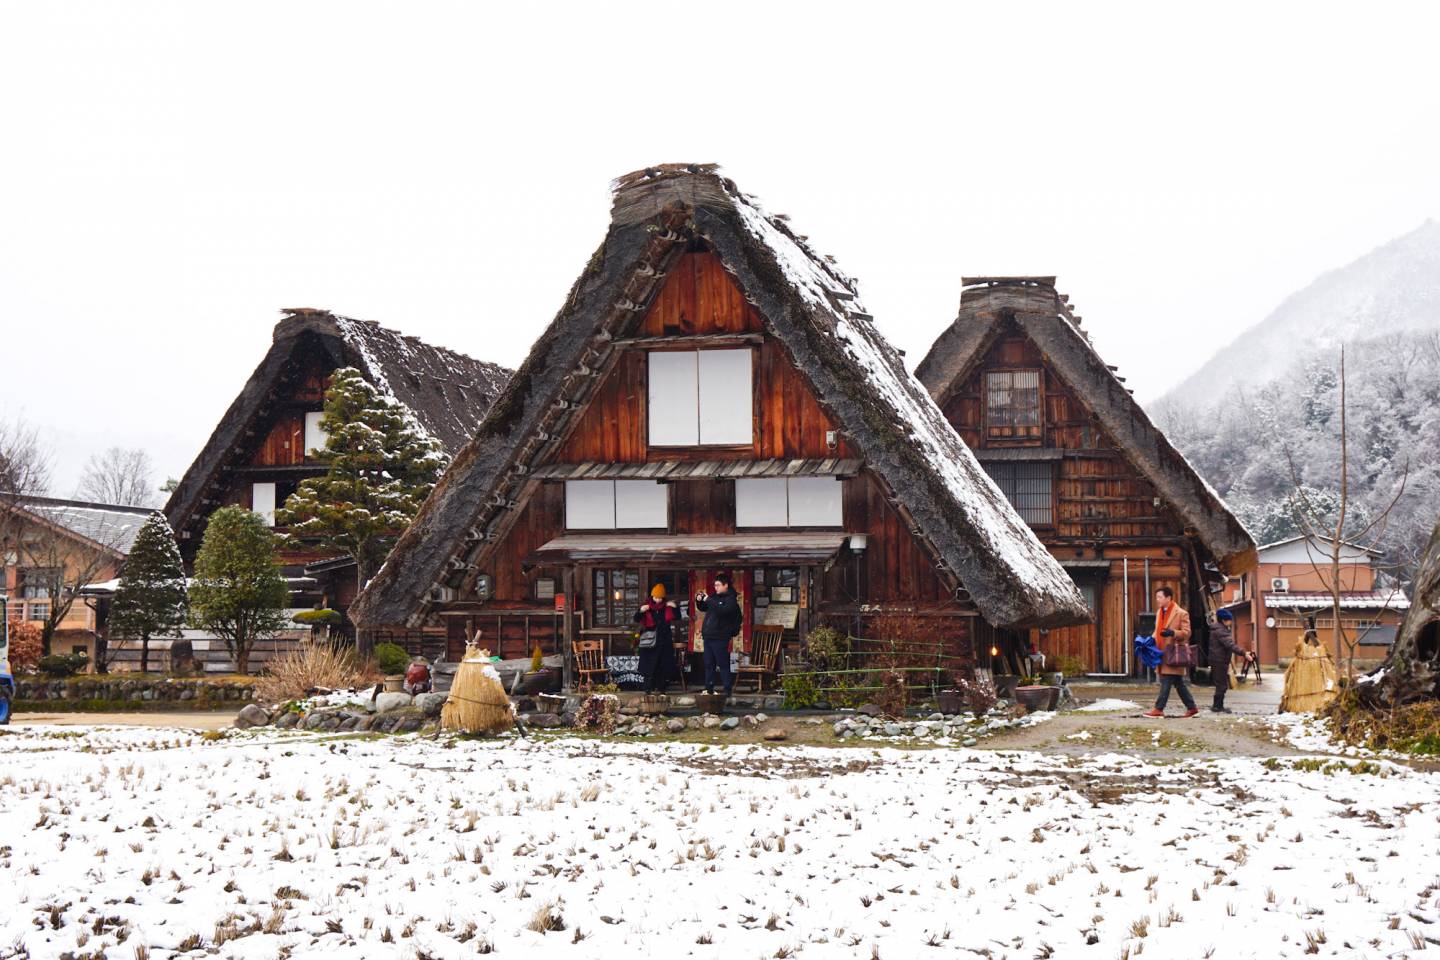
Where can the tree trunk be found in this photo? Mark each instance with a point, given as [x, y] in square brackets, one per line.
[1412, 670]
[242, 659]
[364, 639]
[145, 654]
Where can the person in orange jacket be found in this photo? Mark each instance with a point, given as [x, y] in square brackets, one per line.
[1172, 625]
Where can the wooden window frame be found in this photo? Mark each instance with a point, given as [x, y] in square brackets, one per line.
[1014, 465]
[993, 430]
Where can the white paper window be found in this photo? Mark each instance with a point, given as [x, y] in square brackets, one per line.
[793, 502]
[702, 398]
[315, 436]
[641, 504]
[262, 501]
[674, 399]
[725, 397]
[616, 504]
[815, 502]
[590, 504]
[760, 503]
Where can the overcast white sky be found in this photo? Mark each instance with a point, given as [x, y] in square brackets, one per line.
[171, 174]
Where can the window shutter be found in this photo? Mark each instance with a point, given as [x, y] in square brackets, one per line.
[761, 503]
[674, 408]
[262, 501]
[590, 504]
[726, 397]
[815, 502]
[641, 504]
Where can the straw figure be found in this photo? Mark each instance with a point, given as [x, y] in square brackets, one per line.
[477, 702]
[1310, 681]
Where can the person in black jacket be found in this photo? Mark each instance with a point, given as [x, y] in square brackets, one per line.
[723, 620]
[1222, 647]
[657, 661]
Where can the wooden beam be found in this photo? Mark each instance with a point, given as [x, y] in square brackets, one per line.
[694, 341]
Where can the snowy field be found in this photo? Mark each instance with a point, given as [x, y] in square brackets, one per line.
[137, 843]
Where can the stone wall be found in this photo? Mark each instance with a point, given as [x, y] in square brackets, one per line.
[111, 692]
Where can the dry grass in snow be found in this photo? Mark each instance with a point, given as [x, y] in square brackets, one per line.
[124, 844]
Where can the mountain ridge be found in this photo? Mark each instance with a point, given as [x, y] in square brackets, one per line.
[1395, 287]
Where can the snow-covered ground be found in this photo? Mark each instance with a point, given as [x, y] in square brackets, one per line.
[274, 844]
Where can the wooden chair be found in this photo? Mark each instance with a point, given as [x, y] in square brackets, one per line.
[765, 658]
[590, 662]
[682, 650]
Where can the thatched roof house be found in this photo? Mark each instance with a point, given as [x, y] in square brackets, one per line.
[807, 309]
[446, 392]
[1032, 304]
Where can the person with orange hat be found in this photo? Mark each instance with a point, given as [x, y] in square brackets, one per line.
[656, 644]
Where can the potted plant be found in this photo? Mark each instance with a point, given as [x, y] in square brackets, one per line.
[392, 660]
[539, 678]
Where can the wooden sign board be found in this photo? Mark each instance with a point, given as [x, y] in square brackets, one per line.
[779, 615]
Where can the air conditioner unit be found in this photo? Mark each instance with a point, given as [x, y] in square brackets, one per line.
[1279, 584]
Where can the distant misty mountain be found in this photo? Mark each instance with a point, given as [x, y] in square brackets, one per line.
[1393, 289]
[1264, 413]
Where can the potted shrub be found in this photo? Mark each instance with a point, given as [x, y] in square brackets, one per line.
[392, 660]
[539, 678]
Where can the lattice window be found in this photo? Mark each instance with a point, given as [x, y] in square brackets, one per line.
[1029, 487]
[1012, 404]
[616, 597]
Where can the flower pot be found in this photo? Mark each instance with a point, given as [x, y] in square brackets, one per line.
[654, 704]
[538, 681]
[710, 702]
[949, 702]
[1037, 698]
[394, 682]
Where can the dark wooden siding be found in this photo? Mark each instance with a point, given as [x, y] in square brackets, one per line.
[699, 298]
[1104, 509]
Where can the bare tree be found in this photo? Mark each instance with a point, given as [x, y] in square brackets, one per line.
[120, 476]
[1318, 525]
[24, 461]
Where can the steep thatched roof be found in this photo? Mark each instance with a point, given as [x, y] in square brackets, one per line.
[447, 393]
[808, 305]
[1044, 316]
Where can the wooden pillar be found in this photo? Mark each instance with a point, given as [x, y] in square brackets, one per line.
[567, 623]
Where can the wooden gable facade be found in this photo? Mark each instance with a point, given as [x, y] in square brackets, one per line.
[700, 307]
[268, 440]
[1048, 434]
[712, 396]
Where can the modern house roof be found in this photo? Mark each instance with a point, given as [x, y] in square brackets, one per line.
[815, 311]
[1033, 305]
[109, 526]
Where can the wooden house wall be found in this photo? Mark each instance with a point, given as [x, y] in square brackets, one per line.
[1098, 493]
[1103, 508]
[700, 299]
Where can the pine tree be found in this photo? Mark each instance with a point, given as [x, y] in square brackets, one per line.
[238, 593]
[382, 466]
[151, 600]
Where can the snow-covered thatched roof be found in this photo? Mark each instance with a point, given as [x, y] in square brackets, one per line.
[446, 393]
[1032, 304]
[975, 537]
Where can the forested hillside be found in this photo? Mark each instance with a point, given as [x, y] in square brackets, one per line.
[1246, 441]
